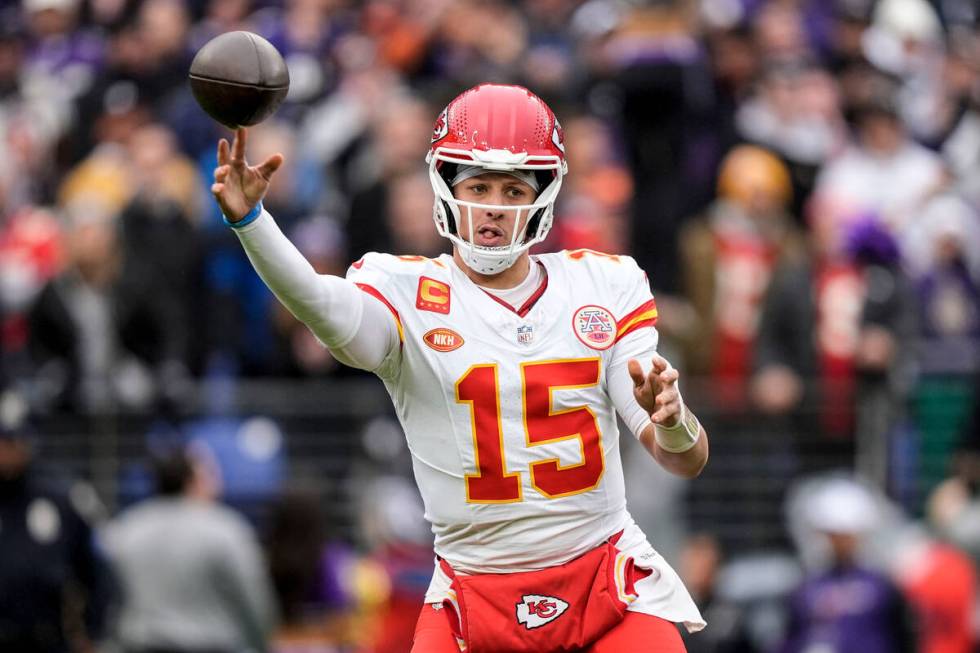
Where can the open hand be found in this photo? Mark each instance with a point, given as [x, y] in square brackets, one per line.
[657, 391]
[237, 186]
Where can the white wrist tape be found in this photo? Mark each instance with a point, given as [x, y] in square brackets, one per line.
[681, 436]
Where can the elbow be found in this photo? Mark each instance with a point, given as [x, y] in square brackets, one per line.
[692, 469]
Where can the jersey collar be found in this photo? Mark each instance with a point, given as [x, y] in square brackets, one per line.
[528, 304]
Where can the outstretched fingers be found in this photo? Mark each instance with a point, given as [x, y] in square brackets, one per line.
[220, 177]
[238, 146]
[268, 167]
[223, 152]
[636, 372]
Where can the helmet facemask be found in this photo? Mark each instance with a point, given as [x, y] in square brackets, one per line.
[454, 217]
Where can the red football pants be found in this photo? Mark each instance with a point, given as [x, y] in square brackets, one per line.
[638, 632]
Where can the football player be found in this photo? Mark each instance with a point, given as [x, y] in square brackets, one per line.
[507, 371]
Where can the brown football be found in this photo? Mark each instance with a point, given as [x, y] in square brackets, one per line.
[239, 79]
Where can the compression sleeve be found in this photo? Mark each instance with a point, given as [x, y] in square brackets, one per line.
[357, 328]
[641, 345]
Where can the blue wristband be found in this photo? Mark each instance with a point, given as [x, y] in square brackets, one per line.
[249, 218]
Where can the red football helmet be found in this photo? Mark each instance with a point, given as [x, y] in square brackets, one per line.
[498, 128]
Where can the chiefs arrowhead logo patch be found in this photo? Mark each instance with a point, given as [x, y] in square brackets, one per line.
[536, 610]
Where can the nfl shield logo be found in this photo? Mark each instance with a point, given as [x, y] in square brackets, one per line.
[525, 334]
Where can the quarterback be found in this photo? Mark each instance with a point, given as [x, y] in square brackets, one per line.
[507, 371]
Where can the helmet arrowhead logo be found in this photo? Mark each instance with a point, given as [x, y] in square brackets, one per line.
[558, 136]
[536, 610]
[441, 127]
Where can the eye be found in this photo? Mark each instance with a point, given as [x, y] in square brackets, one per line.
[515, 192]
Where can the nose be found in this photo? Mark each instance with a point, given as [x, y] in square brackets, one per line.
[497, 199]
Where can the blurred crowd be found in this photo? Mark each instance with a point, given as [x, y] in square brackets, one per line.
[799, 178]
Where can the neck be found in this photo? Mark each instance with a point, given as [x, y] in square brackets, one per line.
[508, 278]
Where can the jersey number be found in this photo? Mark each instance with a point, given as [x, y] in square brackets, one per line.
[492, 483]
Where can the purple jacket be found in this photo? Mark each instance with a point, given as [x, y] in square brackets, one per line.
[848, 610]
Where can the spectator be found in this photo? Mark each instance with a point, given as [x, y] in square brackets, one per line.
[729, 256]
[846, 606]
[62, 51]
[30, 255]
[661, 83]
[795, 112]
[884, 171]
[961, 110]
[942, 252]
[596, 192]
[103, 333]
[48, 562]
[701, 563]
[940, 584]
[312, 576]
[376, 221]
[906, 40]
[855, 313]
[192, 572]
[953, 508]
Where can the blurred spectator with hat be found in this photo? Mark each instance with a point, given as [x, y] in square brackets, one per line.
[844, 606]
[54, 584]
[728, 256]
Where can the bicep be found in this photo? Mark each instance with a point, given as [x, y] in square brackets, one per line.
[358, 329]
[375, 342]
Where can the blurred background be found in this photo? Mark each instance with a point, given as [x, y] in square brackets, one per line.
[799, 178]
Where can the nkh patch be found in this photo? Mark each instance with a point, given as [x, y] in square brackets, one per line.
[432, 296]
[535, 610]
[595, 327]
[443, 339]
[525, 334]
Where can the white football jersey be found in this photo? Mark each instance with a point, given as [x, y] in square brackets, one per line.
[512, 432]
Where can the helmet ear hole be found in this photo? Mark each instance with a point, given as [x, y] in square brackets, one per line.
[450, 222]
[544, 177]
[448, 172]
[532, 224]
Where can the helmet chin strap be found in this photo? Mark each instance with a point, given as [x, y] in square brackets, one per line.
[490, 260]
[481, 263]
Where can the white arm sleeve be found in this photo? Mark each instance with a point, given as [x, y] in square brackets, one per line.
[358, 329]
[641, 345]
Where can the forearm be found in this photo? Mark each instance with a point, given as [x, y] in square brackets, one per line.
[686, 463]
[355, 326]
[681, 449]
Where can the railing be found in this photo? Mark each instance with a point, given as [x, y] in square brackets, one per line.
[330, 435]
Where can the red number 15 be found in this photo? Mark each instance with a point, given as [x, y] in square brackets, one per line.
[492, 483]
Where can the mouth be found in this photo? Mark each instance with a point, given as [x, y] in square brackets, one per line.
[489, 235]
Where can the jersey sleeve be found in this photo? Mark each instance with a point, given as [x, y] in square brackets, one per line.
[636, 337]
[373, 276]
[636, 309]
[333, 308]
